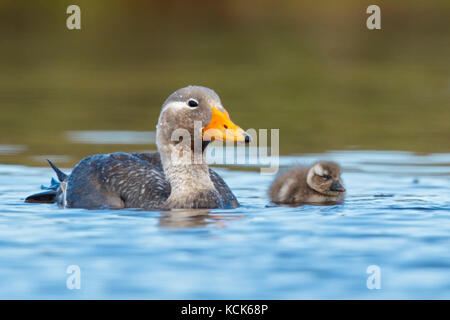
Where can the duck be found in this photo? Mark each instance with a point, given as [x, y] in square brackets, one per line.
[177, 176]
[319, 183]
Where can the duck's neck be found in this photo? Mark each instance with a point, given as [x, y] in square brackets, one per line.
[188, 175]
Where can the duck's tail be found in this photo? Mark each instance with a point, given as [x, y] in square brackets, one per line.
[61, 175]
[49, 195]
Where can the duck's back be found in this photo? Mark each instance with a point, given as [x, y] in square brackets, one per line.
[116, 180]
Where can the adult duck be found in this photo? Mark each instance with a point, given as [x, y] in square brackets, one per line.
[175, 177]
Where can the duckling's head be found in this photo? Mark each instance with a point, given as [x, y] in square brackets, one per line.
[325, 178]
[197, 112]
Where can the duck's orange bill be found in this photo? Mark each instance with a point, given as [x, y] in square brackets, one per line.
[222, 128]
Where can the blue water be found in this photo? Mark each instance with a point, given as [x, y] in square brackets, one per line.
[396, 216]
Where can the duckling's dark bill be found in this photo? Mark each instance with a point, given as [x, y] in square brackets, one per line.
[337, 186]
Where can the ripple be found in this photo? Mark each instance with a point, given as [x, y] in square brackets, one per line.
[250, 252]
[112, 137]
[11, 149]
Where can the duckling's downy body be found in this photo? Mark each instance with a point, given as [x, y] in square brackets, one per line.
[320, 183]
[175, 177]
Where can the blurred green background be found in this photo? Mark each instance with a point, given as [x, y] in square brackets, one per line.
[310, 68]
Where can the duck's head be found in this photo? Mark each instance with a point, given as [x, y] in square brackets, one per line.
[325, 178]
[199, 112]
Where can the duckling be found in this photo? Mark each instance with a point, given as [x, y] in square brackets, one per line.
[175, 177]
[320, 183]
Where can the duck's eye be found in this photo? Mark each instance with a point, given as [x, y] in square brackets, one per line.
[326, 177]
[193, 103]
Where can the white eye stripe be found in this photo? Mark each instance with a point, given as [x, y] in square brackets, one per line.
[319, 170]
[177, 105]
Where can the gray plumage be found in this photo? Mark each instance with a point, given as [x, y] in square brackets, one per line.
[320, 183]
[124, 180]
[175, 177]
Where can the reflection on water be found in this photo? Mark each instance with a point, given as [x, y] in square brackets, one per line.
[315, 73]
[9, 149]
[53, 157]
[195, 218]
[396, 215]
[112, 137]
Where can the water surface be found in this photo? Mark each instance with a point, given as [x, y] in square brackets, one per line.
[396, 216]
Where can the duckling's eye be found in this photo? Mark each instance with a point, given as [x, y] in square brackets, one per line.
[326, 177]
[192, 103]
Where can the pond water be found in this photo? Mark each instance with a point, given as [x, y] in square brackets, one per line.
[396, 216]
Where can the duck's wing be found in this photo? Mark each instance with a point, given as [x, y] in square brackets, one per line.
[228, 198]
[152, 157]
[117, 180]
